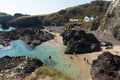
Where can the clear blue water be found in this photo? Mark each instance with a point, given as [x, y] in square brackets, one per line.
[58, 59]
[7, 30]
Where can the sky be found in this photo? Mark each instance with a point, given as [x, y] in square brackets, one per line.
[35, 7]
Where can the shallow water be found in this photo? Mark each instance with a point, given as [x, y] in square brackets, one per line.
[7, 30]
[48, 49]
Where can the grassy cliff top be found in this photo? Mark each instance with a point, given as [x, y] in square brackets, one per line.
[2, 14]
[94, 8]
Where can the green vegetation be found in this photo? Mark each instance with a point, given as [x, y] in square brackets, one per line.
[95, 8]
[4, 17]
[26, 21]
[51, 72]
[3, 14]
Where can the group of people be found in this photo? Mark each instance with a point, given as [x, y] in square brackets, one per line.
[87, 61]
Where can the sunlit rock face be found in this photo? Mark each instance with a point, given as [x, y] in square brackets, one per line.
[113, 14]
[112, 19]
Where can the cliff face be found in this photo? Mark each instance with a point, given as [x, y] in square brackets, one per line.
[112, 19]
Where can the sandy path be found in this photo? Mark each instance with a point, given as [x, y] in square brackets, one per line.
[83, 65]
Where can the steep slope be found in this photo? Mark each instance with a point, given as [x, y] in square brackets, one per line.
[96, 8]
[112, 19]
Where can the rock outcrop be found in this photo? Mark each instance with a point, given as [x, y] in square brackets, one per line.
[17, 68]
[31, 36]
[112, 19]
[80, 42]
[16, 15]
[4, 25]
[106, 67]
[4, 17]
[26, 21]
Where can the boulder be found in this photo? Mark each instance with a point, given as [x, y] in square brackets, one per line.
[4, 25]
[16, 68]
[106, 67]
[80, 42]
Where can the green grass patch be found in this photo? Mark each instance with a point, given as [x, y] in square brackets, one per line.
[51, 72]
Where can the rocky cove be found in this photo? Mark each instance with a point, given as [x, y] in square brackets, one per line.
[31, 36]
[79, 52]
[52, 48]
[73, 65]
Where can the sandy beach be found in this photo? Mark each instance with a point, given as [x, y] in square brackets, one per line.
[84, 61]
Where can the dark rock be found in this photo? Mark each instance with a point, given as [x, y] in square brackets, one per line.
[106, 67]
[106, 44]
[116, 32]
[20, 66]
[80, 42]
[4, 25]
[31, 36]
[16, 15]
[26, 21]
[6, 18]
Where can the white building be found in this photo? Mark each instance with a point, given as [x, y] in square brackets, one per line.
[91, 18]
[74, 20]
[86, 19]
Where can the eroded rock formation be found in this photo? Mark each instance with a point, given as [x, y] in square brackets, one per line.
[17, 68]
[80, 42]
[4, 25]
[31, 36]
[106, 67]
[112, 19]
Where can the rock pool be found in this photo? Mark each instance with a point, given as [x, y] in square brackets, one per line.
[50, 53]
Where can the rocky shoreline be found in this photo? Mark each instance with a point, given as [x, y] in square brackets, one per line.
[106, 67]
[31, 36]
[17, 68]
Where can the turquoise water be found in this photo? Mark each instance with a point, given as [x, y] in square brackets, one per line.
[58, 59]
[7, 30]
